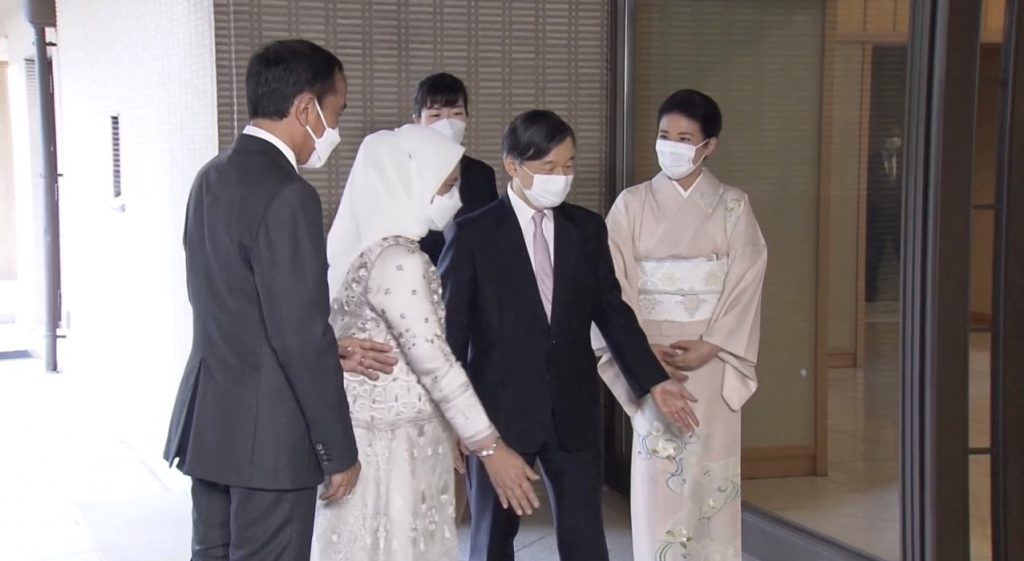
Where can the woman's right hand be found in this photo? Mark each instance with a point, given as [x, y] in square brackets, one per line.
[671, 362]
[511, 478]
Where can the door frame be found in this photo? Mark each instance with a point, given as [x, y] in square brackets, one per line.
[941, 94]
[1007, 452]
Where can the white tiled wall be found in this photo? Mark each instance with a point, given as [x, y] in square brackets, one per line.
[151, 62]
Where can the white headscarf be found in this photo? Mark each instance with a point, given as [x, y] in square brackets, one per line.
[393, 179]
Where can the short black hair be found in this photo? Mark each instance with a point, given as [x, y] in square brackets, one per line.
[440, 90]
[283, 70]
[534, 134]
[697, 106]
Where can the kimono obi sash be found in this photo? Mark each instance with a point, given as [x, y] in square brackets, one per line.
[682, 290]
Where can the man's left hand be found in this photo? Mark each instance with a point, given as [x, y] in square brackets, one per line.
[674, 401]
[366, 358]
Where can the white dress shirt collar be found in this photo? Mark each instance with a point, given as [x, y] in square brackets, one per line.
[252, 130]
[523, 211]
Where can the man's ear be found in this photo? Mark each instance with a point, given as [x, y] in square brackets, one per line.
[304, 109]
[510, 165]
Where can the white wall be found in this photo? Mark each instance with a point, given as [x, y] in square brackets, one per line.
[8, 220]
[151, 62]
[23, 297]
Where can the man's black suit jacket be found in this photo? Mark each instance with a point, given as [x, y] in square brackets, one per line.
[532, 375]
[477, 190]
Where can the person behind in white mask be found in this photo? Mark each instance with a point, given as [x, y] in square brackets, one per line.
[383, 288]
[442, 103]
[691, 259]
[524, 278]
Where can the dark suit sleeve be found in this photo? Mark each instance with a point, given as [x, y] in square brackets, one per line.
[458, 278]
[477, 191]
[478, 187]
[489, 186]
[289, 262]
[432, 244]
[876, 173]
[619, 326]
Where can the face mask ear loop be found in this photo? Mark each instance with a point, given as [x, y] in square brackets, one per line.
[704, 157]
[522, 166]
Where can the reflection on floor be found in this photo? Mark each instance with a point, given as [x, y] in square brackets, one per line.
[858, 502]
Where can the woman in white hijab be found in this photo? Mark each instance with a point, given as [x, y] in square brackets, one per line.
[383, 288]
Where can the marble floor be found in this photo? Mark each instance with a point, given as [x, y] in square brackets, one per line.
[858, 502]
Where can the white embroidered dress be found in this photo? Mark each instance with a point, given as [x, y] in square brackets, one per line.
[403, 507]
[383, 288]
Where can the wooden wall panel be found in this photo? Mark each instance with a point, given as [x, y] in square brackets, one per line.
[772, 462]
[993, 18]
[880, 16]
[902, 15]
[850, 19]
[888, 21]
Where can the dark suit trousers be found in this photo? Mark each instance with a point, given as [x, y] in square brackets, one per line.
[574, 482]
[883, 234]
[250, 524]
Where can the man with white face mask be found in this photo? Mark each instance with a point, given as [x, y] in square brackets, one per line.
[261, 417]
[442, 103]
[524, 279]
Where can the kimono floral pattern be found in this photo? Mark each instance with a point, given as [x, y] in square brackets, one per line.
[680, 289]
[709, 486]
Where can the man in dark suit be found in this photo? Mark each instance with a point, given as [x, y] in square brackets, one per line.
[524, 280]
[261, 417]
[442, 102]
[885, 204]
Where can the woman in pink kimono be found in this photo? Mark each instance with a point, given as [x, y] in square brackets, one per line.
[691, 259]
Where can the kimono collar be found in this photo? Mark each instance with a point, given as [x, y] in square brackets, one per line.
[706, 191]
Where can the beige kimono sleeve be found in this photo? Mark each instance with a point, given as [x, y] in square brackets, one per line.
[735, 325]
[620, 241]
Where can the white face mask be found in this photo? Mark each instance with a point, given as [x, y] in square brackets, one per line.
[548, 191]
[323, 146]
[454, 129]
[442, 210]
[677, 158]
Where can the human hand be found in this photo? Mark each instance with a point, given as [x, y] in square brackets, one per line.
[692, 355]
[670, 361]
[673, 400]
[339, 485]
[366, 358]
[511, 479]
[459, 453]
